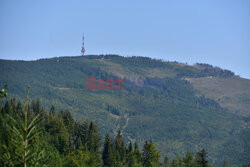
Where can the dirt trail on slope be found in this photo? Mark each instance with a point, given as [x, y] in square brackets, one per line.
[122, 128]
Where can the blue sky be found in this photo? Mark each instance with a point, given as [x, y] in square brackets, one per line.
[216, 32]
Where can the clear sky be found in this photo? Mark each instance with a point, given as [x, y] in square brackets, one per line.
[216, 32]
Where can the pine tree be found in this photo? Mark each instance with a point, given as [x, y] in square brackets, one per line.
[69, 123]
[79, 135]
[188, 159]
[7, 108]
[94, 137]
[137, 154]
[151, 156]
[132, 160]
[37, 109]
[166, 162]
[120, 147]
[52, 112]
[13, 105]
[24, 133]
[107, 155]
[68, 120]
[85, 131]
[201, 158]
[19, 110]
[177, 162]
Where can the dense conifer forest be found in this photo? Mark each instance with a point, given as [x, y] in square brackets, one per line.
[35, 137]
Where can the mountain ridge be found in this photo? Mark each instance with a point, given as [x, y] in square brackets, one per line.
[156, 103]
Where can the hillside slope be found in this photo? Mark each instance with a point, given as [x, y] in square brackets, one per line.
[231, 93]
[156, 102]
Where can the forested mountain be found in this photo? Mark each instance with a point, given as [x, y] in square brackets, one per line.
[181, 108]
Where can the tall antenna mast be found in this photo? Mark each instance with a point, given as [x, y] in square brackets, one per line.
[83, 49]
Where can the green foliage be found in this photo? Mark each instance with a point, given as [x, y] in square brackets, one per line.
[188, 160]
[166, 162]
[201, 158]
[22, 137]
[93, 138]
[51, 147]
[108, 152]
[3, 92]
[83, 158]
[151, 156]
[120, 147]
[156, 103]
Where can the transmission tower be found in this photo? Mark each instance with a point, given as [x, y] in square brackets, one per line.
[83, 49]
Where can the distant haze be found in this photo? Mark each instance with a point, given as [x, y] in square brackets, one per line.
[209, 31]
